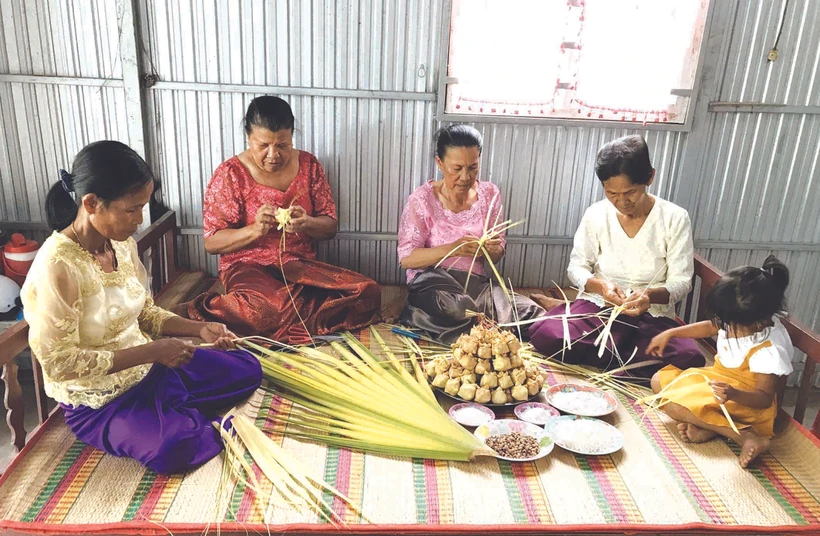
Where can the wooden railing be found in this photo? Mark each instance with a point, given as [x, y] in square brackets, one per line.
[706, 274]
[157, 241]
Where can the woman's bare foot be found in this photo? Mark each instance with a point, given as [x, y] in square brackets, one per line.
[546, 302]
[693, 434]
[751, 446]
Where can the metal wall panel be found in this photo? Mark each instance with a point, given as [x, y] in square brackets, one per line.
[377, 45]
[759, 180]
[75, 38]
[751, 31]
[43, 125]
[42, 128]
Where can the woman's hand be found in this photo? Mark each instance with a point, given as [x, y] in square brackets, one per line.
[217, 334]
[469, 246]
[723, 391]
[658, 344]
[612, 293]
[264, 220]
[636, 304]
[299, 220]
[494, 248]
[229, 240]
[173, 353]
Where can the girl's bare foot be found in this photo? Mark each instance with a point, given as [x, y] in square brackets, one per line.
[751, 446]
[546, 302]
[693, 434]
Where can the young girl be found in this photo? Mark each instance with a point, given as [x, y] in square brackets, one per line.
[754, 356]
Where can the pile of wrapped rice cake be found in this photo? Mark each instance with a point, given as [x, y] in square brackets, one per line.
[486, 367]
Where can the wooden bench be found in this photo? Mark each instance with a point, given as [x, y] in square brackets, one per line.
[157, 247]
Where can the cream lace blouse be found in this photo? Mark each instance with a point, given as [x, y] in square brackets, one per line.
[79, 316]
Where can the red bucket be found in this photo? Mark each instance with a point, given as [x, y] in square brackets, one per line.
[18, 255]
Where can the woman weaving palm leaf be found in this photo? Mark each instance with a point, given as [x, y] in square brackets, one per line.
[441, 238]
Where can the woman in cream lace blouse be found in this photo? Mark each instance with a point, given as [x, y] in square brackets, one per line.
[92, 326]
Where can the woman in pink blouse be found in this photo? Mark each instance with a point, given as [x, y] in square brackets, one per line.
[240, 205]
[439, 216]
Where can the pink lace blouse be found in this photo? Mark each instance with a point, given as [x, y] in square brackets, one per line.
[425, 223]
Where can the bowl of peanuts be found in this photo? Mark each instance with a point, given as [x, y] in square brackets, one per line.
[514, 440]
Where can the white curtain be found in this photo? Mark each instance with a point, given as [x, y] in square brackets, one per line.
[608, 59]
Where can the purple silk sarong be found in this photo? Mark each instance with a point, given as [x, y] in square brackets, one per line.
[164, 422]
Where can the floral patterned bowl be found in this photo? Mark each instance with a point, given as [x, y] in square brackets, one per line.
[508, 426]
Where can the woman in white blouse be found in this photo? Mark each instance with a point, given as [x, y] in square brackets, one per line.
[92, 326]
[632, 250]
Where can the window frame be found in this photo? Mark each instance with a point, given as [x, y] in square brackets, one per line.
[444, 80]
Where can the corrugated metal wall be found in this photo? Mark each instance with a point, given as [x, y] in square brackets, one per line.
[362, 76]
[45, 124]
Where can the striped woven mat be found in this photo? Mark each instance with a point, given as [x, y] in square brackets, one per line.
[655, 483]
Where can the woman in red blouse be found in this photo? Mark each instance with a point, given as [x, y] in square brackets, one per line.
[240, 204]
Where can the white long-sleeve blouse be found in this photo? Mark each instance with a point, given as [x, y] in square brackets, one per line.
[661, 254]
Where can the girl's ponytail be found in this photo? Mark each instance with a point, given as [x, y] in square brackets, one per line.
[777, 273]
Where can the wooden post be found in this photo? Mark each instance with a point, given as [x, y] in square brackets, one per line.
[14, 405]
[39, 390]
[13, 341]
[131, 78]
[131, 83]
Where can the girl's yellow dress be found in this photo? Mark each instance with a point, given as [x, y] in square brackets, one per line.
[769, 351]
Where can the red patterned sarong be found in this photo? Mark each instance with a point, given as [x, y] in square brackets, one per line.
[256, 301]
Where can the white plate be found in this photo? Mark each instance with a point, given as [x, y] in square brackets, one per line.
[508, 426]
[584, 435]
[583, 400]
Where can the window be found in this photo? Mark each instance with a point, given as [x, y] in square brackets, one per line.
[607, 60]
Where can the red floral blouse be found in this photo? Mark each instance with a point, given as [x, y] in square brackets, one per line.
[233, 197]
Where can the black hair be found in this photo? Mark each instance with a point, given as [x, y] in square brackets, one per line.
[107, 169]
[156, 207]
[268, 112]
[457, 136]
[625, 156]
[748, 295]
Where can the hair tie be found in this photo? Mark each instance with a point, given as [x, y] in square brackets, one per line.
[67, 180]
